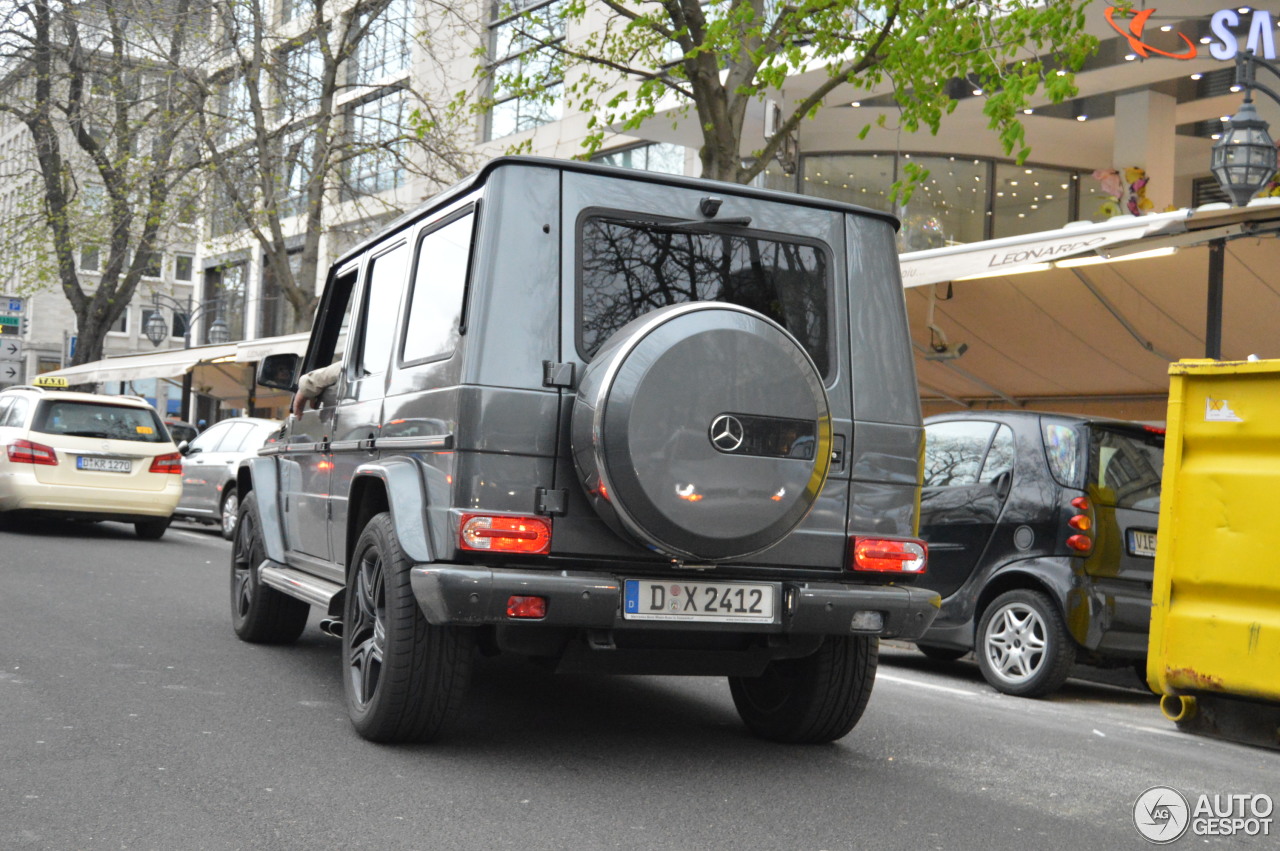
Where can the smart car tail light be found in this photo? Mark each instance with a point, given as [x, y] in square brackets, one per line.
[888, 555]
[170, 463]
[27, 452]
[1079, 524]
[505, 533]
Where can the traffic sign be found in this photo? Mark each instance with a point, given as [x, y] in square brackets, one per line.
[10, 350]
[11, 373]
[11, 304]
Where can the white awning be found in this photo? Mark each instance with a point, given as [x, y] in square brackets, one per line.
[170, 363]
[252, 351]
[174, 363]
[1030, 252]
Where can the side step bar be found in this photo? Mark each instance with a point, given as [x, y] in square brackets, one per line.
[295, 583]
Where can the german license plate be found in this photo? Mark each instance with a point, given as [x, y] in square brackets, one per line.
[104, 465]
[709, 602]
[1142, 543]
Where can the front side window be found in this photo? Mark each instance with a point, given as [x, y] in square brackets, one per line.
[439, 284]
[629, 268]
[954, 452]
[93, 419]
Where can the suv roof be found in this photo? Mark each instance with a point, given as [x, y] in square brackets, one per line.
[480, 177]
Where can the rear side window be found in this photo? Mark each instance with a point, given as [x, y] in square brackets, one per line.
[235, 437]
[1126, 466]
[92, 419]
[439, 284]
[1062, 448]
[954, 452]
[628, 268]
[13, 412]
[386, 283]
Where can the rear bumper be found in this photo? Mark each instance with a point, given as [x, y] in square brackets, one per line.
[473, 596]
[23, 493]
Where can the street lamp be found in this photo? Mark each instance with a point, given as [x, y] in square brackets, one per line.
[157, 328]
[157, 331]
[1244, 157]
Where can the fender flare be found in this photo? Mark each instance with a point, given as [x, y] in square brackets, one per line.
[407, 502]
[261, 476]
[1062, 579]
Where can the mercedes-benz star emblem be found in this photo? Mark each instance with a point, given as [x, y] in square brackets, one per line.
[726, 433]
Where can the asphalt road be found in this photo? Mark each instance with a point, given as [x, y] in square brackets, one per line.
[132, 718]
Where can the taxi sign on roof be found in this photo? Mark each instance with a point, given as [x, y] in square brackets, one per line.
[49, 381]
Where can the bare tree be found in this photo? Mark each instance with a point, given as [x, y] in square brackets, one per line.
[92, 83]
[312, 122]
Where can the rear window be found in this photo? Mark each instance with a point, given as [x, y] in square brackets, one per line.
[94, 419]
[1126, 466]
[628, 268]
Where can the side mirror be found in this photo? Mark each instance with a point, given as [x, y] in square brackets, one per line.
[184, 447]
[279, 371]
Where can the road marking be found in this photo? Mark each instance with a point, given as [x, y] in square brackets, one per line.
[904, 681]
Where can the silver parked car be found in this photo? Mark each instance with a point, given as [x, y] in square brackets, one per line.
[209, 465]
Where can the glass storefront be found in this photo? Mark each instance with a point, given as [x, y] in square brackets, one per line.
[959, 200]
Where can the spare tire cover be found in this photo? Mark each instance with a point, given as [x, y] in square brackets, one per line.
[702, 431]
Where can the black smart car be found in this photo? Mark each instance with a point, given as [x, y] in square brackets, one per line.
[1042, 536]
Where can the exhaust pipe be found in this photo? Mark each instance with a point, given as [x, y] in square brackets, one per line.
[1177, 708]
[329, 626]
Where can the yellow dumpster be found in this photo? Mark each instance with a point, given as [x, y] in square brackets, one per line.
[1214, 650]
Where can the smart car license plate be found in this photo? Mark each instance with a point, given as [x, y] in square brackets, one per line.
[104, 465]
[711, 602]
[1142, 543]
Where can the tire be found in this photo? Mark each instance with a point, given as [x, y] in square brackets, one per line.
[229, 511]
[812, 700]
[152, 530]
[259, 613]
[403, 678]
[941, 654]
[702, 431]
[1023, 647]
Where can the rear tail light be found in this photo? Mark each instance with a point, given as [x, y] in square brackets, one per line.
[888, 555]
[171, 463]
[1079, 524]
[26, 452]
[505, 533]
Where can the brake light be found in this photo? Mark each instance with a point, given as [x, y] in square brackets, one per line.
[170, 463]
[1080, 503]
[1080, 543]
[505, 533]
[888, 555]
[27, 452]
[1081, 522]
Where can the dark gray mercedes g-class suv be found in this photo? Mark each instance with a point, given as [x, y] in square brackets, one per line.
[609, 420]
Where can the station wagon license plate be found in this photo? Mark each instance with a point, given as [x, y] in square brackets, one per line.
[104, 465]
[708, 602]
[1142, 543]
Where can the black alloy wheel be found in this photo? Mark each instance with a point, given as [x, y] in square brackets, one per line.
[259, 614]
[814, 699]
[404, 679]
